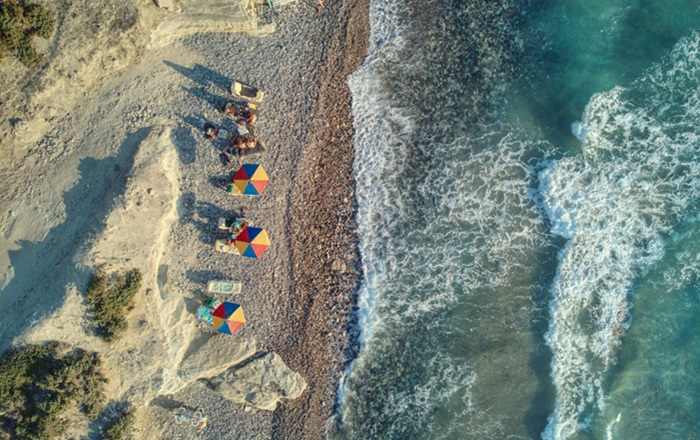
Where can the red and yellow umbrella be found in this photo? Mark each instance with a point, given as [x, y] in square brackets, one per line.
[249, 180]
[252, 242]
[228, 318]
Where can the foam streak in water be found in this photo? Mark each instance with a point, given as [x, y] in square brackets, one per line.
[638, 174]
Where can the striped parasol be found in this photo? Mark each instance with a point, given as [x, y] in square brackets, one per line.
[250, 180]
[228, 318]
[251, 242]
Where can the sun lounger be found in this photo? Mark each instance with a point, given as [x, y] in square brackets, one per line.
[224, 287]
[246, 92]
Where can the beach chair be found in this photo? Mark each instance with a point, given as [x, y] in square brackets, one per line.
[224, 287]
[246, 92]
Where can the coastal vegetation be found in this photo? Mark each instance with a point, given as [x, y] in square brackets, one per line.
[39, 383]
[110, 297]
[21, 20]
[121, 427]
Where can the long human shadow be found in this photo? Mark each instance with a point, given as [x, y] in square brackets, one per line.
[43, 269]
[202, 75]
[185, 143]
[215, 101]
[206, 218]
[203, 276]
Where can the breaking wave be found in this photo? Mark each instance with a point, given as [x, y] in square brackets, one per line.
[616, 204]
[447, 228]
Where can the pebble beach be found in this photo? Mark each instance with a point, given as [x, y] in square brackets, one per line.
[298, 297]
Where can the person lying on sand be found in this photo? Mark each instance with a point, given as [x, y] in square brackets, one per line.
[212, 133]
[244, 143]
[231, 110]
[250, 143]
[240, 146]
[246, 115]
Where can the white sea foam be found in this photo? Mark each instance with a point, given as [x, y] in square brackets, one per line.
[609, 429]
[466, 223]
[440, 217]
[579, 131]
[639, 172]
[482, 226]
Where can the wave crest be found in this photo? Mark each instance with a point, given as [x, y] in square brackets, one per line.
[637, 177]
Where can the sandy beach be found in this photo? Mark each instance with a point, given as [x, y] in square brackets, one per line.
[298, 297]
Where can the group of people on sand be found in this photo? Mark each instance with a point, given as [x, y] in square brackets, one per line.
[240, 140]
[243, 140]
[245, 115]
[233, 225]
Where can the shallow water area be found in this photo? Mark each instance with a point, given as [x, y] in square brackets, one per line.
[512, 268]
[654, 392]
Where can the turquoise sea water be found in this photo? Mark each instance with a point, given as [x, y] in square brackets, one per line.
[528, 183]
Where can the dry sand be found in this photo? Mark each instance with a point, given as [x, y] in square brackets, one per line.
[59, 191]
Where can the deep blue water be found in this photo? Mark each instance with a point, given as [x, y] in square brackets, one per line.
[528, 175]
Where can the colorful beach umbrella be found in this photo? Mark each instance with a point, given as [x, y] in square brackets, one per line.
[252, 242]
[228, 318]
[250, 180]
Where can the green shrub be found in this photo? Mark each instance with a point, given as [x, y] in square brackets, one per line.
[110, 297]
[19, 21]
[40, 20]
[39, 382]
[120, 428]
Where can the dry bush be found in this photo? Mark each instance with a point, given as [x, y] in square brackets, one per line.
[19, 22]
[110, 297]
[39, 382]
